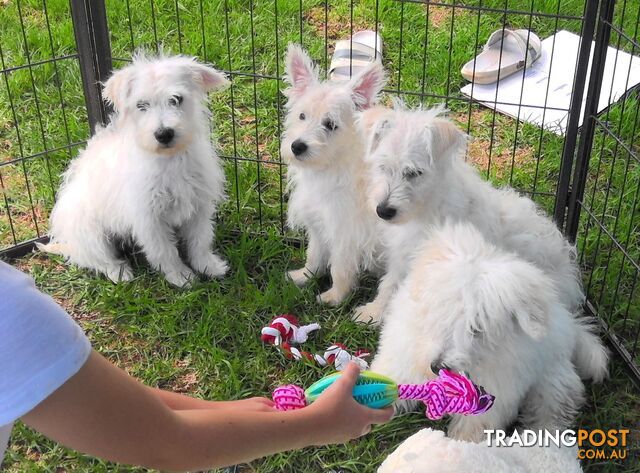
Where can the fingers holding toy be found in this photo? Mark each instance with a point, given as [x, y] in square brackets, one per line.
[342, 417]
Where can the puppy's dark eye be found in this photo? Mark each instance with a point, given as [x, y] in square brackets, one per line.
[302, 116]
[143, 106]
[175, 100]
[329, 124]
[411, 173]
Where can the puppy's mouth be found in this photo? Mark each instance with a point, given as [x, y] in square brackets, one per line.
[437, 365]
[173, 147]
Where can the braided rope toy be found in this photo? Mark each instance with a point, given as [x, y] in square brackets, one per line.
[336, 355]
[449, 393]
[285, 331]
[286, 328]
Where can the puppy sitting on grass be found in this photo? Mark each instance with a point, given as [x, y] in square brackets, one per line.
[327, 174]
[152, 175]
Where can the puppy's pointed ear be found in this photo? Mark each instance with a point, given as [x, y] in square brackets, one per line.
[207, 77]
[366, 86]
[118, 87]
[300, 71]
[446, 138]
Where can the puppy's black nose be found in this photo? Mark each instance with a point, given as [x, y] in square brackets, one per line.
[386, 213]
[298, 147]
[164, 135]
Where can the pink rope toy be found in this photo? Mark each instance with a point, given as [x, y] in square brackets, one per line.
[449, 393]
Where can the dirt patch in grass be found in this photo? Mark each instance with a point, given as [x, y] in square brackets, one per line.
[337, 25]
[116, 344]
[500, 158]
[6, 144]
[480, 118]
[441, 15]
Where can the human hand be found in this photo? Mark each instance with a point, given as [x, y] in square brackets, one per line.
[338, 417]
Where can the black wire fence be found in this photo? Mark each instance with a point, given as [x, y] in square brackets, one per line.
[54, 54]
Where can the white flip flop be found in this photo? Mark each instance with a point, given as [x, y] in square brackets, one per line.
[352, 55]
[520, 48]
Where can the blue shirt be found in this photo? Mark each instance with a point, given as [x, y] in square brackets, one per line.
[41, 347]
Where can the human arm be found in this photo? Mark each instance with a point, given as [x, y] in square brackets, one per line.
[179, 402]
[104, 412]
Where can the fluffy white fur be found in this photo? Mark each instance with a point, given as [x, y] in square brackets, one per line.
[472, 307]
[128, 184]
[419, 179]
[327, 173]
[429, 451]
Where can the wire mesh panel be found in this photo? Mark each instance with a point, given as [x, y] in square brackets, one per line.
[607, 183]
[42, 114]
[425, 45]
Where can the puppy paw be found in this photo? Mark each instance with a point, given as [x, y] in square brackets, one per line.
[211, 265]
[368, 313]
[180, 278]
[121, 272]
[299, 277]
[331, 297]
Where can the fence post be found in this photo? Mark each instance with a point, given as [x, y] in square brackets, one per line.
[94, 52]
[589, 124]
[571, 136]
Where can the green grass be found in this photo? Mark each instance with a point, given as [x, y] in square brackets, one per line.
[204, 341]
[162, 335]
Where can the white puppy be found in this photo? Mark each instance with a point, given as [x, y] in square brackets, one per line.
[429, 451]
[472, 307]
[327, 174]
[151, 175]
[419, 179]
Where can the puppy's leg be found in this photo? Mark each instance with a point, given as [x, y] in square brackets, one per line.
[159, 245]
[553, 402]
[114, 268]
[316, 262]
[97, 252]
[344, 271]
[374, 310]
[198, 235]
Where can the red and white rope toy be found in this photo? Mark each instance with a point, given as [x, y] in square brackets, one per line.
[286, 328]
[284, 331]
[336, 355]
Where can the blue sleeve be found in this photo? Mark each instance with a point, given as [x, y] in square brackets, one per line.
[41, 346]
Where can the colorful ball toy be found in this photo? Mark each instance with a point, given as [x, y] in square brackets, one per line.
[449, 393]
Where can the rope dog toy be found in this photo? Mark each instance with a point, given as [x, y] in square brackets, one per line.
[286, 328]
[449, 393]
[336, 355]
[285, 331]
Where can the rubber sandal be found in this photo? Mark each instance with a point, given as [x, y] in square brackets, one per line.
[520, 48]
[352, 55]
